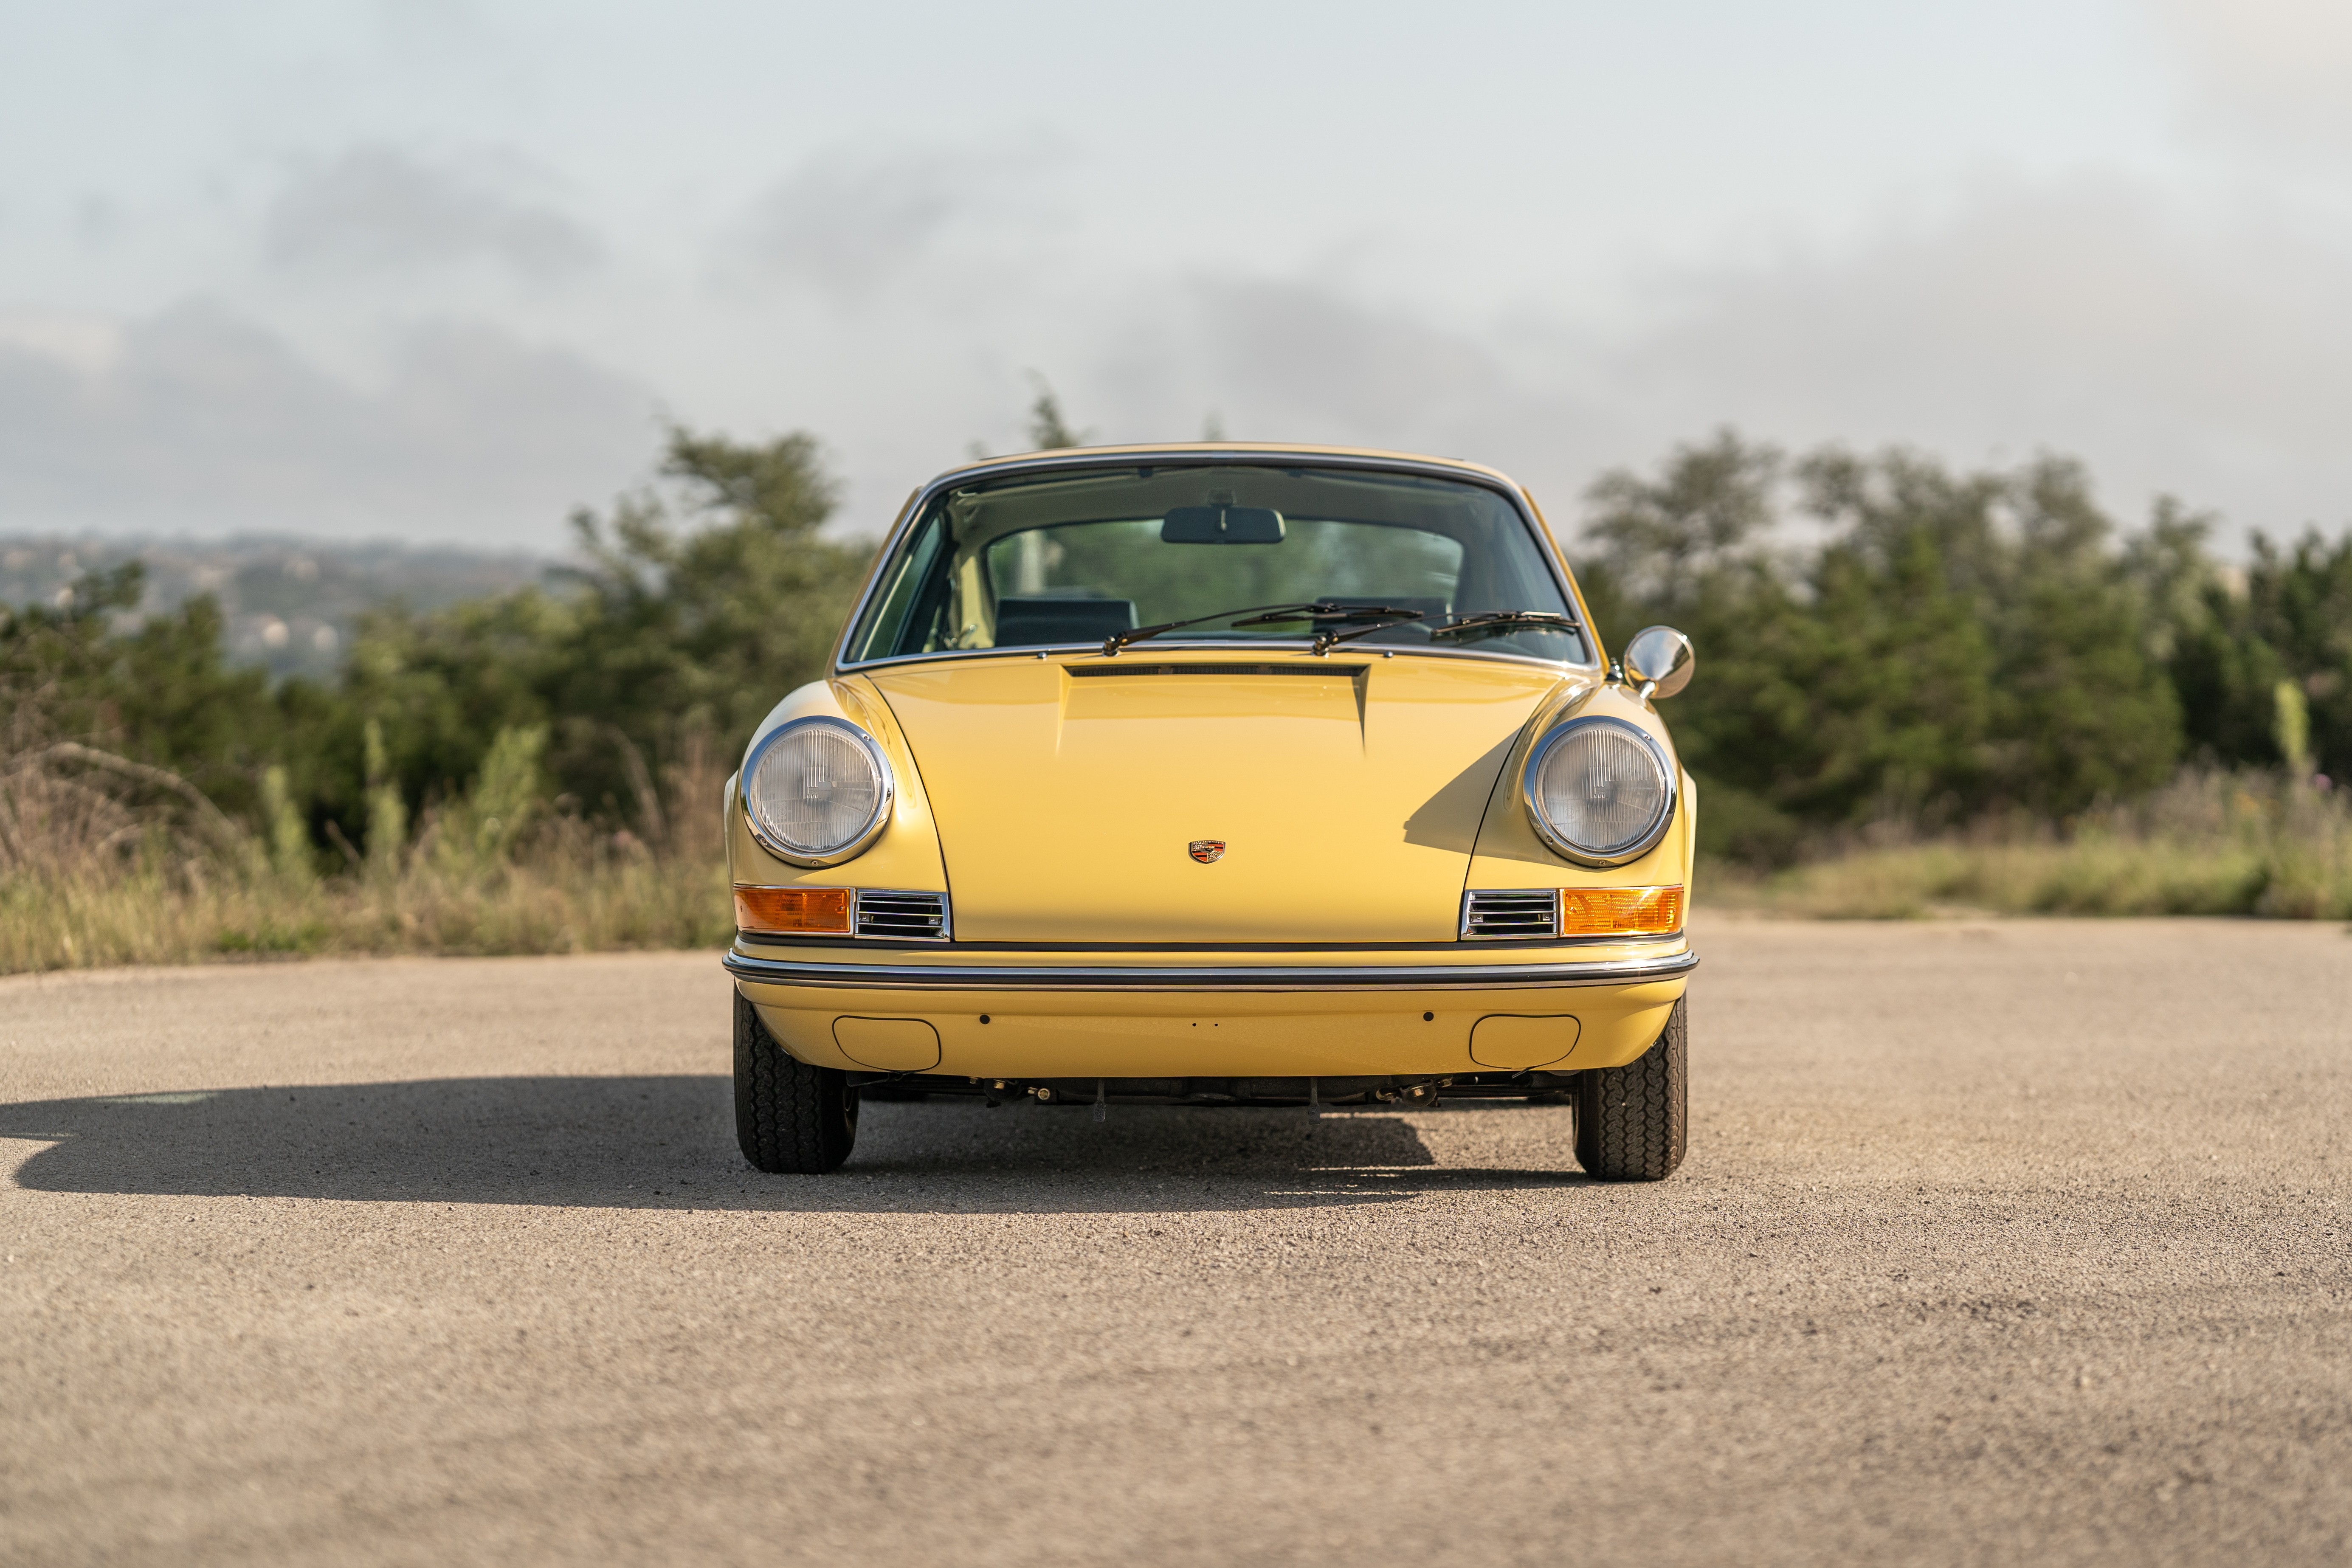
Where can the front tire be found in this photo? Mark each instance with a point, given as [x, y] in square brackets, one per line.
[1631, 1122]
[790, 1118]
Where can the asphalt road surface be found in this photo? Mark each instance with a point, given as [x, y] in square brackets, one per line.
[1998, 1243]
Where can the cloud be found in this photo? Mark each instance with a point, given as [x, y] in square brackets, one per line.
[2190, 340]
[376, 209]
[2271, 70]
[850, 220]
[87, 341]
[2195, 345]
[1153, 358]
[2184, 346]
[1308, 356]
[1295, 359]
[199, 420]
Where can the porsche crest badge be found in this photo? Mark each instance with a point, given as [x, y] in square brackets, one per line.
[1206, 850]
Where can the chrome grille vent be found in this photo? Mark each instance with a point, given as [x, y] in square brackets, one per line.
[1517, 911]
[904, 917]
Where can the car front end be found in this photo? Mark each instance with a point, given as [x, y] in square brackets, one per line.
[1218, 774]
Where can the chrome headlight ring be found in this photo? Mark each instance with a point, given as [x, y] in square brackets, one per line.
[1625, 850]
[762, 817]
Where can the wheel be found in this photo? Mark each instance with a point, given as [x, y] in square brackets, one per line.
[789, 1116]
[1631, 1122]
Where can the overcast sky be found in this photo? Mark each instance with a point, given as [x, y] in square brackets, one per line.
[439, 270]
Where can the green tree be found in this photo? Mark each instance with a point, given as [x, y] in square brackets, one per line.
[2085, 712]
[154, 689]
[2291, 622]
[1956, 643]
[1048, 431]
[1659, 537]
[702, 600]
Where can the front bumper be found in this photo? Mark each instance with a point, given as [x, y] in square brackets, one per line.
[1066, 1015]
[1189, 978]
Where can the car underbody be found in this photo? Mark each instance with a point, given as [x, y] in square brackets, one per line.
[1259, 1092]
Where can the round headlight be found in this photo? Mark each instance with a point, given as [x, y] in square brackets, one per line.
[816, 791]
[1600, 791]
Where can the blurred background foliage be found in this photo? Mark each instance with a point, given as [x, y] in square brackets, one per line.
[1885, 641]
[536, 769]
[1978, 677]
[697, 602]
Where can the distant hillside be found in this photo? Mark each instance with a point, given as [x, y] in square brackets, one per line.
[291, 604]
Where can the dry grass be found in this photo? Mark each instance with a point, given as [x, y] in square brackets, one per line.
[104, 863]
[159, 912]
[2209, 844]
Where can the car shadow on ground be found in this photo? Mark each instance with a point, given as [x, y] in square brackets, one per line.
[669, 1143]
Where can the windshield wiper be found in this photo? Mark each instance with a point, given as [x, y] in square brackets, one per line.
[1270, 615]
[1493, 621]
[1381, 616]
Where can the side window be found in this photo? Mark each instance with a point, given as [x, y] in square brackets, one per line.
[898, 619]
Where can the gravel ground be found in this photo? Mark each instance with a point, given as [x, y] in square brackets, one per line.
[1998, 1243]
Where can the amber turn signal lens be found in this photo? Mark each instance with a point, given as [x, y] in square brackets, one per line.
[807, 910]
[1620, 911]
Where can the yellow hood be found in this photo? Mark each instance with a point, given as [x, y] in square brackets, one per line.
[1346, 792]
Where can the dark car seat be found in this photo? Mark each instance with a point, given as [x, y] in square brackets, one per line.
[1031, 623]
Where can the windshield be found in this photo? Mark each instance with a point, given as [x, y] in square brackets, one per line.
[1060, 559]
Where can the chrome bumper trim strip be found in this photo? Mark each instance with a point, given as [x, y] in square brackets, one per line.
[1320, 977]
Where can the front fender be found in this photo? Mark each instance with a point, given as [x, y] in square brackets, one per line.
[905, 856]
[1511, 853]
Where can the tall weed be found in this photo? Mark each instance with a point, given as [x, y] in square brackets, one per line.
[2209, 843]
[102, 867]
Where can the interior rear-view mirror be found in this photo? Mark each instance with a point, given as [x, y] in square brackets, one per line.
[1221, 525]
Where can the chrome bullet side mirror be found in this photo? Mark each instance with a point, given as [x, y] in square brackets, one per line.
[1658, 661]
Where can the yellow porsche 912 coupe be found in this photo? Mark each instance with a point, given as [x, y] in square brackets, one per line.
[1217, 775]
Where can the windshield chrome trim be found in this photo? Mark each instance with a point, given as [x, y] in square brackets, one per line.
[1348, 654]
[1105, 977]
[1251, 457]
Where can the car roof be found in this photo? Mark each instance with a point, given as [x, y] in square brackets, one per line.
[1271, 449]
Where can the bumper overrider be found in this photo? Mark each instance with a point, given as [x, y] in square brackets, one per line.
[1416, 1014]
